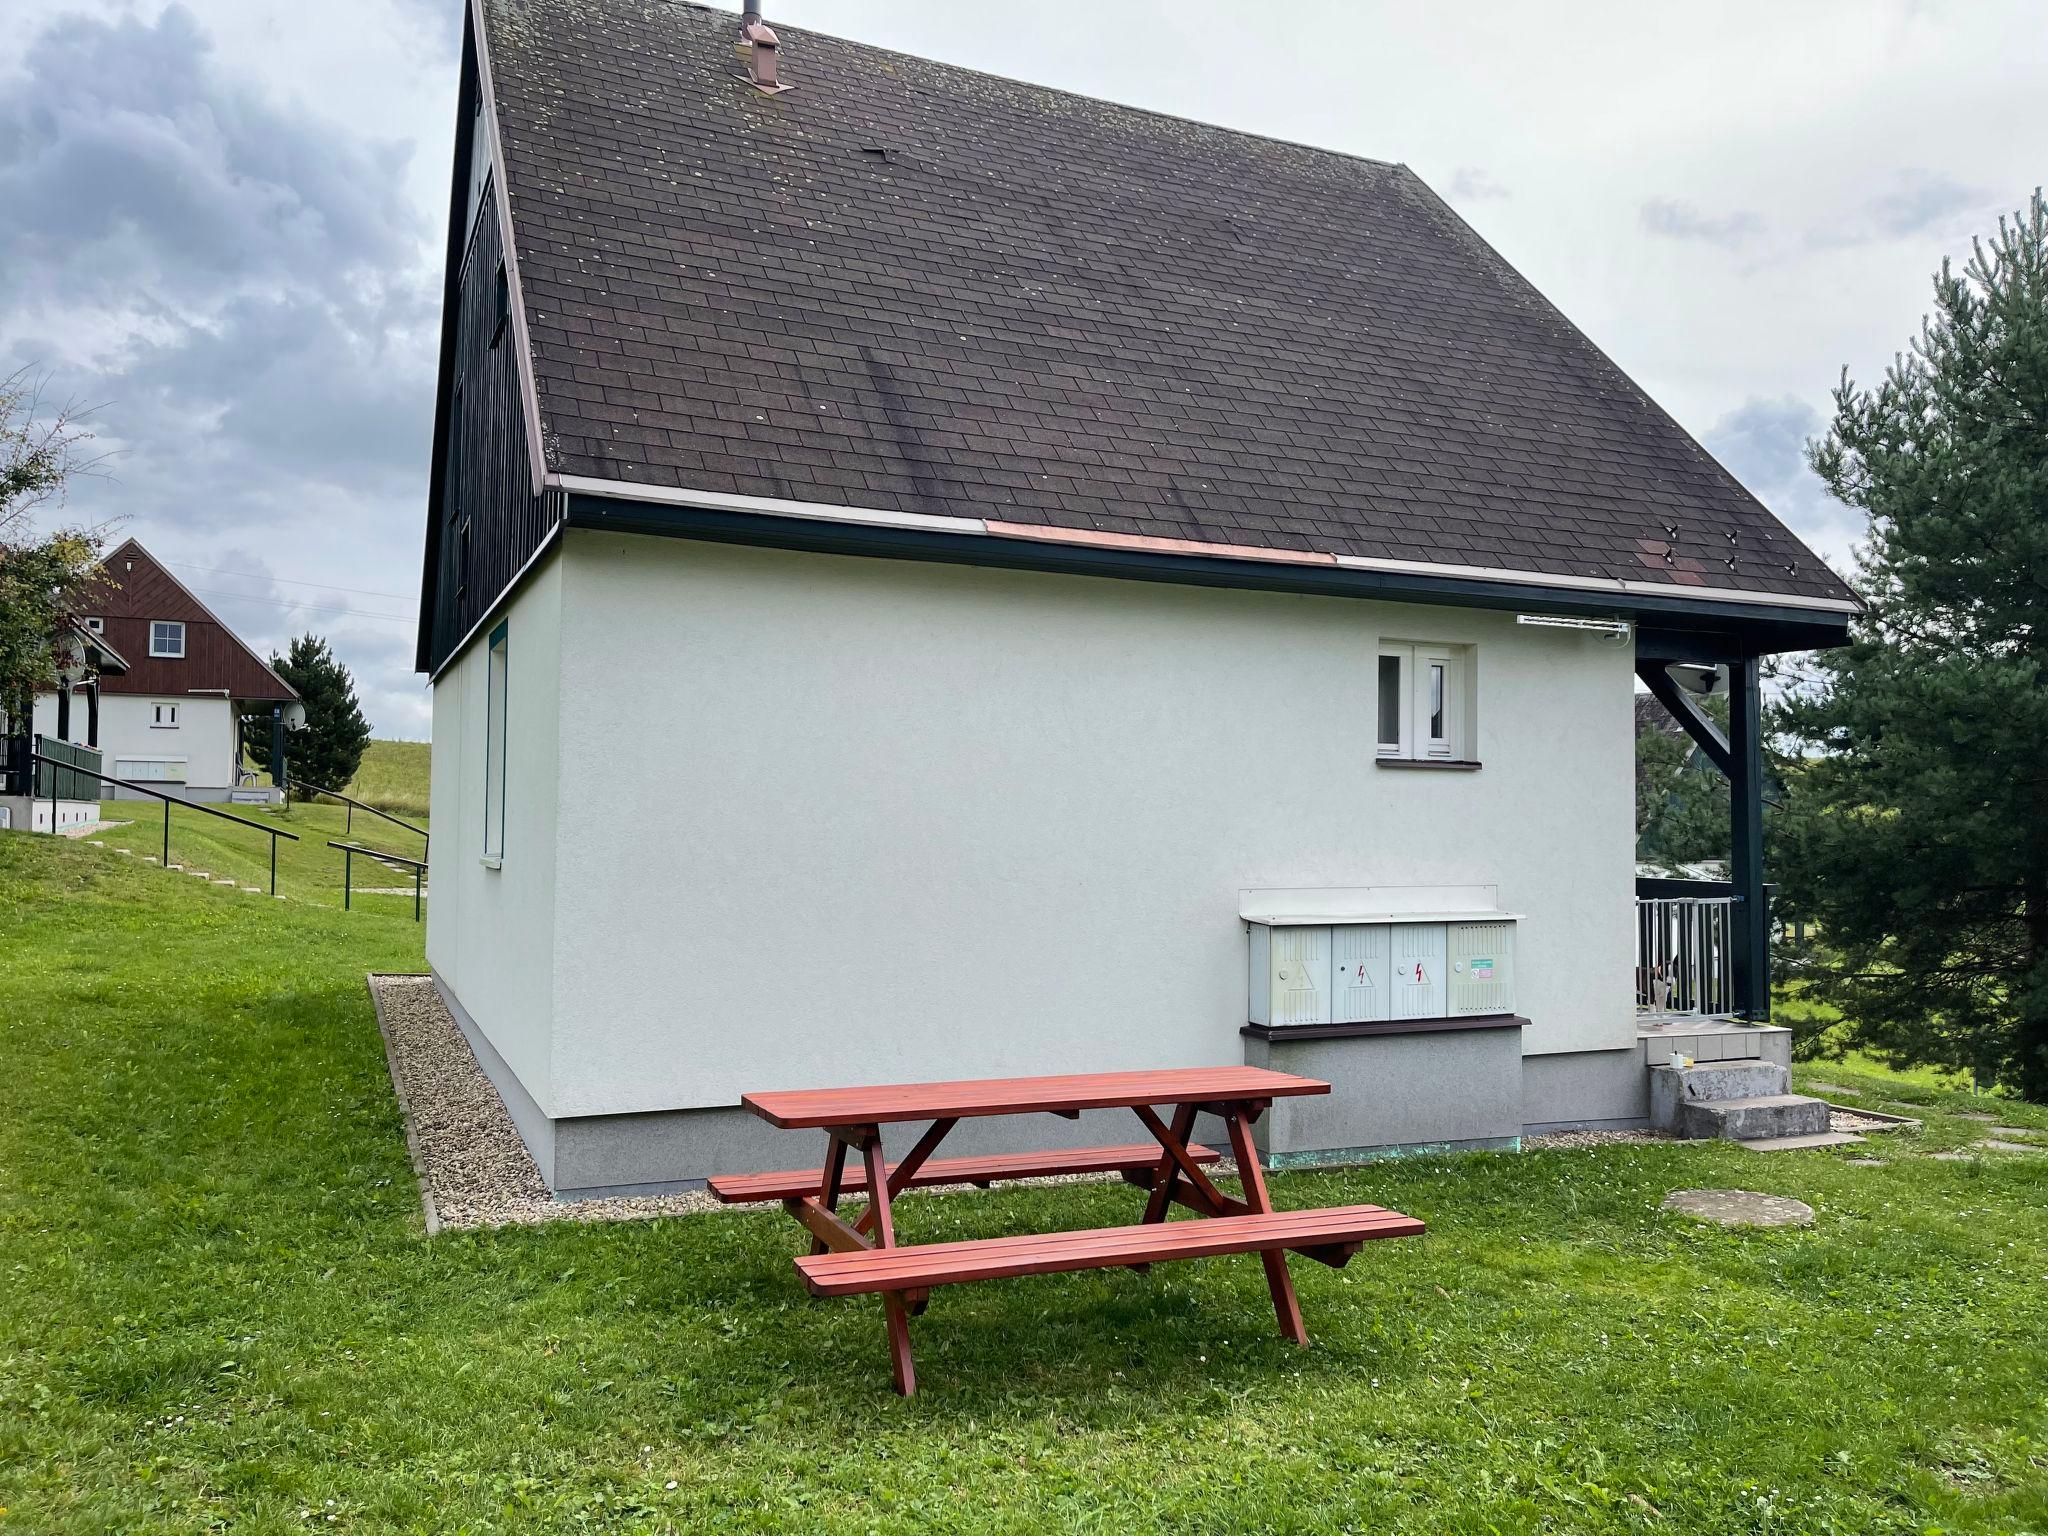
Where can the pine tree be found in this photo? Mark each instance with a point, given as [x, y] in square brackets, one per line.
[329, 748]
[1918, 839]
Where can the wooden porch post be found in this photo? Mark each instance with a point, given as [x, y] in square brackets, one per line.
[1752, 936]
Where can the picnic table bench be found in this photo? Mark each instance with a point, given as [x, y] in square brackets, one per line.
[863, 1255]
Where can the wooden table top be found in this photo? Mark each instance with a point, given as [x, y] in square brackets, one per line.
[813, 1108]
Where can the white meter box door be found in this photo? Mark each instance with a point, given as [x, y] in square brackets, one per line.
[1482, 968]
[1418, 967]
[1301, 975]
[1361, 982]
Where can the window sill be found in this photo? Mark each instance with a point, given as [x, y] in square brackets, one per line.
[490, 863]
[1447, 764]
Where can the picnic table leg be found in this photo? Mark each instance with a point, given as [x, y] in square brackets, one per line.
[828, 1193]
[1167, 1172]
[900, 1363]
[1253, 1178]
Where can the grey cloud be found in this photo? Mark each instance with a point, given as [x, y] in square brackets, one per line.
[1914, 202]
[1470, 183]
[1763, 444]
[1679, 220]
[249, 291]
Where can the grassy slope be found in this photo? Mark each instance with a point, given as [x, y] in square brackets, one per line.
[219, 1308]
[393, 777]
[307, 870]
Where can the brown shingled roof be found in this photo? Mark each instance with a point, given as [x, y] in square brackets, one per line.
[918, 288]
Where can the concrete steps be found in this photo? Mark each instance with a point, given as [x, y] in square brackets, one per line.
[1747, 1102]
[1754, 1118]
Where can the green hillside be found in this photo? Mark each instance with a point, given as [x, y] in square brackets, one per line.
[393, 777]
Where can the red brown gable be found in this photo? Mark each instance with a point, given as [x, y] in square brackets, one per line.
[137, 590]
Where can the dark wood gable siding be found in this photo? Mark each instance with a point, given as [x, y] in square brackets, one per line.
[485, 518]
[136, 592]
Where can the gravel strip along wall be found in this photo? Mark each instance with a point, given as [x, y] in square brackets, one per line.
[474, 1170]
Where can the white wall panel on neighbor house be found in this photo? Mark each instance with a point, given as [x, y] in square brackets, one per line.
[880, 820]
[1482, 978]
[491, 932]
[1419, 966]
[1361, 973]
[203, 740]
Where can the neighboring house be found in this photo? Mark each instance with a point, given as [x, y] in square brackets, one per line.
[171, 719]
[930, 576]
[61, 792]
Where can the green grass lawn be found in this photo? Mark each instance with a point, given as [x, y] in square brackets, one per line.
[393, 777]
[307, 870]
[219, 1312]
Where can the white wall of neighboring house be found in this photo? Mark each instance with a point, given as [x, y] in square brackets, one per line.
[45, 723]
[138, 740]
[491, 932]
[870, 820]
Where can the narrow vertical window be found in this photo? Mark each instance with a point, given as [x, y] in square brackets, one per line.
[495, 692]
[1436, 701]
[501, 304]
[1390, 703]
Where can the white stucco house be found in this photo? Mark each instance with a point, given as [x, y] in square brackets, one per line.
[1098, 591]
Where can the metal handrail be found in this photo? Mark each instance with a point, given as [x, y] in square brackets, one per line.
[354, 805]
[170, 800]
[348, 860]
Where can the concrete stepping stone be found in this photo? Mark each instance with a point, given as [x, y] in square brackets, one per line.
[1996, 1145]
[1862, 1162]
[1739, 1208]
[1953, 1157]
[1971, 1114]
[1801, 1143]
[250, 890]
[223, 880]
[130, 852]
[2016, 1130]
[1836, 1088]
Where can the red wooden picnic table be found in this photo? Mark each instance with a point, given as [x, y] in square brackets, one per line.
[863, 1255]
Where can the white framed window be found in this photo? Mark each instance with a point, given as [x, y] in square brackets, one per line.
[166, 637]
[97, 626]
[1423, 702]
[495, 692]
[163, 716]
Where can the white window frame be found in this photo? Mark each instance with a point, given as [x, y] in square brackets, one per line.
[97, 626]
[169, 626]
[497, 691]
[164, 715]
[1430, 728]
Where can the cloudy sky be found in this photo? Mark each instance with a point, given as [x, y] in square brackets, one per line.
[220, 222]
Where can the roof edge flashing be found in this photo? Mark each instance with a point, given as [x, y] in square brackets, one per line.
[1085, 538]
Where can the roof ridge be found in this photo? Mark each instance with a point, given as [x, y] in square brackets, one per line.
[790, 29]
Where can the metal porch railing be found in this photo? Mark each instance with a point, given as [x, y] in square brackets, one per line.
[1685, 958]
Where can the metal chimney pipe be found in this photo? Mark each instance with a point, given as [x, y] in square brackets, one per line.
[759, 39]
